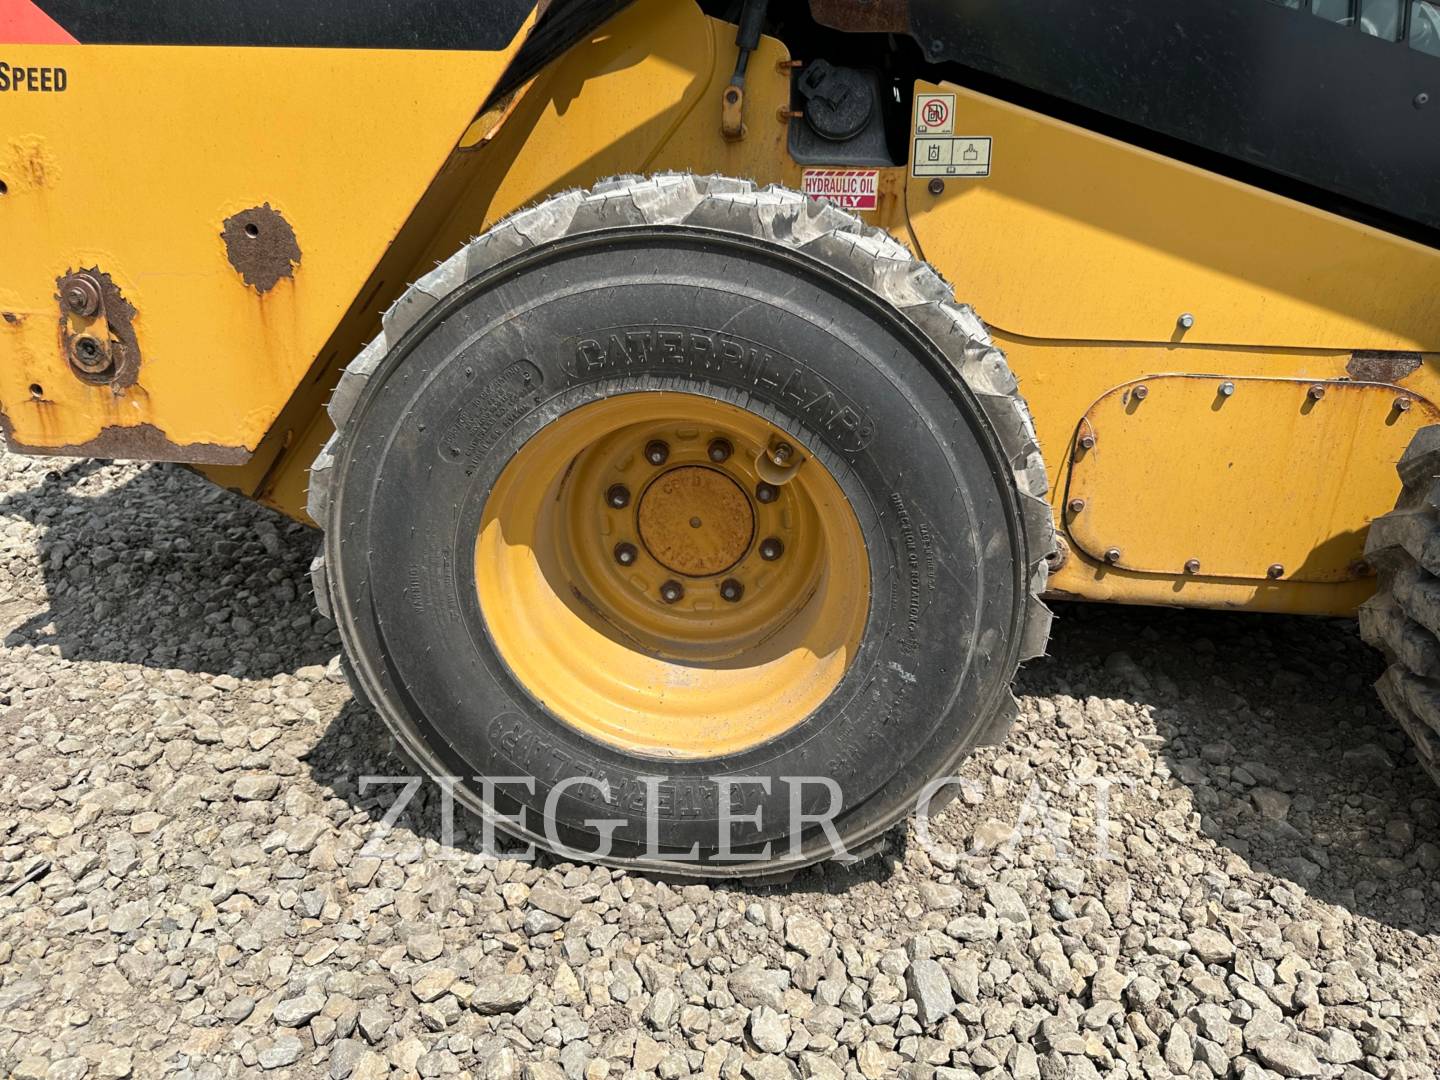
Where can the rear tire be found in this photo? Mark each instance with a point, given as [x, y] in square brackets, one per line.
[1402, 620]
[782, 320]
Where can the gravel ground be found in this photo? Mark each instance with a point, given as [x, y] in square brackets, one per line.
[1205, 852]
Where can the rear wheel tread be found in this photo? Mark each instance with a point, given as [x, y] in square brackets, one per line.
[1402, 620]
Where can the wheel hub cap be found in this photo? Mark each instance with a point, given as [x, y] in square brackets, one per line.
[696, 521]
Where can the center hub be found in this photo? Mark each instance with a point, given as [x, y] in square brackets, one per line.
[696, 521]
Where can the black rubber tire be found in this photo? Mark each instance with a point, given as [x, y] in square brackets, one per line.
[1402, 620]
[936, 455]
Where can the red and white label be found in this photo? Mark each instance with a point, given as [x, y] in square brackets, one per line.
[854, 189]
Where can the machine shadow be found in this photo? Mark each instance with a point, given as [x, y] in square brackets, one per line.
[154, 565]
[1304, 776]
[1358, 811]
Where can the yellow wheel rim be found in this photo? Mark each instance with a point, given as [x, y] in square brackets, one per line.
[672, 575]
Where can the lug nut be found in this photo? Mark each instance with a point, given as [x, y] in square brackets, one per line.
[771, 548]
[1087, 441]
[731, 590]
[625, 554]
[1275, 571]
[782, 453]
[1141, 392]
[1112, 555]
[766, 493]
[671, 591]
[1192, 566]
[1226, 389]
[1076, 505]
[1316, 392]
[617, 496]
[1402, 404]
[720, 450]
[657, 452]
[81, 294]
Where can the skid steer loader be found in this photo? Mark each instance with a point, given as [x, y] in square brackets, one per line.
[654, 368]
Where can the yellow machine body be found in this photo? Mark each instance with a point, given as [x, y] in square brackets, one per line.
[1099, 268]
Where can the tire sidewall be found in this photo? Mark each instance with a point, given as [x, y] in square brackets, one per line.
[505, 356]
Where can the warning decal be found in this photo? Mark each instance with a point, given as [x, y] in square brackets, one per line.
[854, 189]
[935, 114]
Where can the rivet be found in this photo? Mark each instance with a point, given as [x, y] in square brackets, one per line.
[1141, 392]
[766, 493]
[1226, 389]
[1192, 566]
[1275, 571]
[1402, 404]
[720, 450]
[731, 590]
[671, 591]
[657, 452]
[1076, 505]
[1112, 555]
[1316, 392]
[617, 496]
[625, 554]
[1185, 321]
[936, 186]
[771, 548]
[1087, 441]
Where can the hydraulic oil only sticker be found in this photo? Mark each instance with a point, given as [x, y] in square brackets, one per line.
[938, 151]
[854, 189]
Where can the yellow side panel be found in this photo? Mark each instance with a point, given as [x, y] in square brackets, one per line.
[134, 169]
[1074, 235]
[1266, 479]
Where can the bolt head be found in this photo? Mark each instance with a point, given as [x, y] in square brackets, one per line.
[1076, 505]
[671, 591]
[81, 294]
[1192, 566]
[657, 452]
[1141, 392]
[617, 496]
[1185, 321]
[782, 453]
[1112, 555]
[771, 548]
[720, 450]
[625, 554]
[1226, 389]
[1316, 392]
[936, 186]
[766, 493]
[731, 590]
[1421, 100]
[1402, 404]
[1087, 441]
[1275, 571]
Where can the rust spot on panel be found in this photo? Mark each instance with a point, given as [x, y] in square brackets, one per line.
[875, 17]
[141, 442]
[11, 318]
[1383, 367]
[100, 347]
[261, 245]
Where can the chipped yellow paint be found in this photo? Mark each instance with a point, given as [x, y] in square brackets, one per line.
[134, 168]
